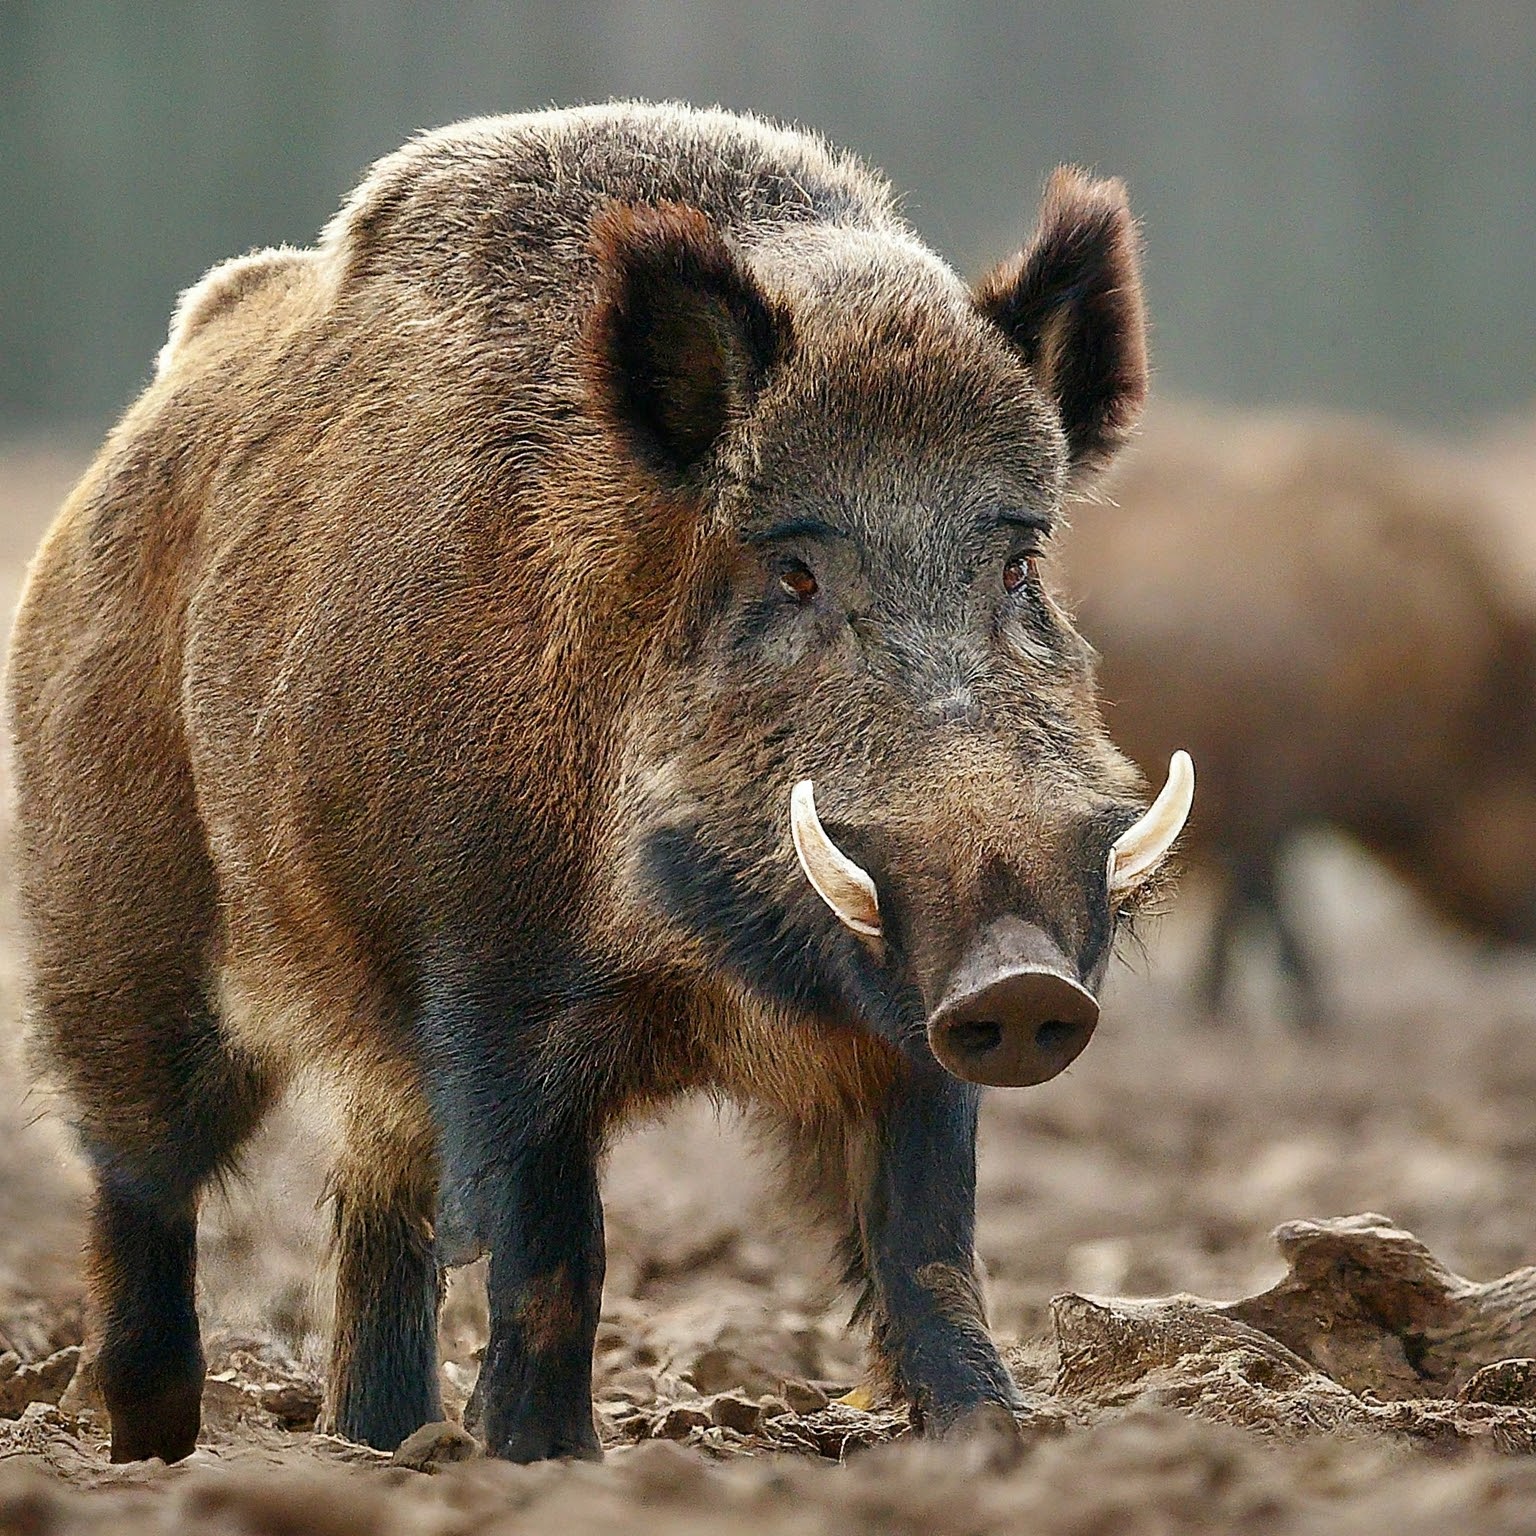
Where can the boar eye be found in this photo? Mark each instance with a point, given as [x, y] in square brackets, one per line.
[797, 580]
[1019, 567]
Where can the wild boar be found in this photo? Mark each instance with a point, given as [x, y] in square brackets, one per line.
[576, 636]
[1303, 600]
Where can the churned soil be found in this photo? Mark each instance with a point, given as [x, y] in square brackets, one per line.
[1248, 1279]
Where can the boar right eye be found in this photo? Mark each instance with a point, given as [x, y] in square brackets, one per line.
[1019, 569]
[797, 580]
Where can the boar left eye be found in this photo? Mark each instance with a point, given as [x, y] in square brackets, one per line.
[1020, 567]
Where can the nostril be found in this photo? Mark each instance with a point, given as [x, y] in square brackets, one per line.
[978, 1038]
[1053, 1034]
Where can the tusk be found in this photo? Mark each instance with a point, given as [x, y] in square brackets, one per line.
[846, 888]
[1140, 849]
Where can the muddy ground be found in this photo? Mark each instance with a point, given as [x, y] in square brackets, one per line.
[1159, 1164]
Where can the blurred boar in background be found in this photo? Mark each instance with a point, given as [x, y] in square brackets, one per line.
[573, 637]
[1306, 602]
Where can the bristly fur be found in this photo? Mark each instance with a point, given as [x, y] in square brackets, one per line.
[1071, 301]
[412, 689]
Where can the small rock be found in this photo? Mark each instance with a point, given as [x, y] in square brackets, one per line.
[735, 1410]
[43, 1381]
[228, 1407]
[296, 1403]
[721, 1369]
[434, 1446]
[633, 1385]
[1509, 1382]
[804, 1397]
[660, 1472]
[680, 1421]
[634, 1429]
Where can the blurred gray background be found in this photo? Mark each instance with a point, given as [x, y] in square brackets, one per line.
[1338, 198]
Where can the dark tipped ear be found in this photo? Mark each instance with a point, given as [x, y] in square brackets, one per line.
[681, 337]
[1071, 302]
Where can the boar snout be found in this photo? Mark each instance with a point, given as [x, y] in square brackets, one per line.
[1012, 1014]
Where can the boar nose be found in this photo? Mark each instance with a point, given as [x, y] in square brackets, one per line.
[1013, 1013]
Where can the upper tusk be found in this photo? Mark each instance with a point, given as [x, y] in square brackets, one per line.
[1140, 849]
[846, 888]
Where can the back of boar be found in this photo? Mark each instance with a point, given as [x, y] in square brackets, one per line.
[1300, 598]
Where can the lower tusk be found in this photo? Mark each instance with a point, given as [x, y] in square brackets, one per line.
[846, 888]
[1139, 850]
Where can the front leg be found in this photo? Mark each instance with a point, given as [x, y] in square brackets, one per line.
[928, 1325]
[519, 1135]
[539, 1210]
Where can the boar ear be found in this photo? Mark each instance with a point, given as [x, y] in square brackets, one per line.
[1071, 302]
[681, 337]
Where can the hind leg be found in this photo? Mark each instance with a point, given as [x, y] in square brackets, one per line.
[389, 1287]
[1308, 1008]
[1215, 976]
[142, 1253]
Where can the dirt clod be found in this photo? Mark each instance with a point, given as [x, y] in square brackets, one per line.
[804, 1397]
[435, 1446]
[42, 1382]
[734, 1410]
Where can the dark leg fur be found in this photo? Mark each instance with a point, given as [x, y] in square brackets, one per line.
[1308, 1010]
[1251, 893]
[142, 1266]
[546, 1287]
[383, 1380]
[1216, 972]
[919, 1215]
[520, 1158]
[143, 1243]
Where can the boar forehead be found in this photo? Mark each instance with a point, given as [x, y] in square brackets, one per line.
[899, 410]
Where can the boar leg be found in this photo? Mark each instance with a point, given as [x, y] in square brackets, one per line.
[1251, 890]
[181, 1114]
[1216, 970]
[543, 1213]
[928, 1326]
[383, 1377]
[143, 1252]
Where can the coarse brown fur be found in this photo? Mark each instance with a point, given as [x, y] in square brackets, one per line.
[412, 689]
[1301, 602]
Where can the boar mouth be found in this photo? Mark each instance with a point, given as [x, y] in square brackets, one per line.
[850, 891]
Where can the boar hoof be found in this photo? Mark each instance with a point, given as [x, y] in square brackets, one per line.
[164, 1425]
[989, 1430]
[539, 1443]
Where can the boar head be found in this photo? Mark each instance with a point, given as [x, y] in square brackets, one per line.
[867, 773]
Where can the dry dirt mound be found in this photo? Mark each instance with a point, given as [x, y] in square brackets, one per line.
[1145, 1411]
